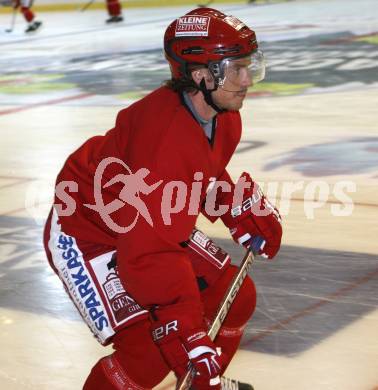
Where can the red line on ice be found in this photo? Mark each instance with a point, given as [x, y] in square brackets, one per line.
[46, 103]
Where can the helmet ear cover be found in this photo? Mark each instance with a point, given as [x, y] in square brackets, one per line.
[185, 68]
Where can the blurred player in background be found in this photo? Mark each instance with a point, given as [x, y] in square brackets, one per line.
[25, 8]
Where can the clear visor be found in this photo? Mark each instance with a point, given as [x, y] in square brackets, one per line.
[241, 73]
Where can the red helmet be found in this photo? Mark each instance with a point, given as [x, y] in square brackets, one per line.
[205, 36]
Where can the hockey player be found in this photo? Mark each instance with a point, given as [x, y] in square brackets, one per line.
[122, 235]
[25, 8]
[114, 8]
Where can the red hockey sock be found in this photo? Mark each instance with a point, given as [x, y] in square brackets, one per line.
[114, 7]
[108, 374]
[136, 351]
[136, 363]
[28, 14]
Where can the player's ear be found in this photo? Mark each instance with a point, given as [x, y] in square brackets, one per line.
[199, 74]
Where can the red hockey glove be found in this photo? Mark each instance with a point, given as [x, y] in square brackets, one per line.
[253, 216]
[181, 346]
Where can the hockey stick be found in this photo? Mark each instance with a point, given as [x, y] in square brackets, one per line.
[13, 21]
[185, 382]
[86, 5]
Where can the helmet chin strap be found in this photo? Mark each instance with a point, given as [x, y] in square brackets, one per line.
[208, 97]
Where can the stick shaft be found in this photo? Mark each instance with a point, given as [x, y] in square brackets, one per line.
[229, 297]
[86, 5]
[13, 20]
[231, 294]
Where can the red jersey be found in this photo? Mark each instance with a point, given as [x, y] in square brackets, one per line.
[160, 135]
